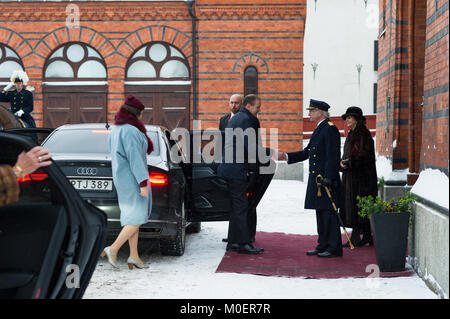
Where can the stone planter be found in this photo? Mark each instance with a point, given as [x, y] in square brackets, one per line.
[390, 235]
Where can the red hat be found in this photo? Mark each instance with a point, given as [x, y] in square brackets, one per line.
[134, 102]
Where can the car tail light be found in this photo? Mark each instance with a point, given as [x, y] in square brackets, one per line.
[249, 194]
[33, 177]
[158, 179]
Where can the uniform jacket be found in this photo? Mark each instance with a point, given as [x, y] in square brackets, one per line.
[20, 100]
[324, 153]
[128, 147]
[360, 177]
[239, 168]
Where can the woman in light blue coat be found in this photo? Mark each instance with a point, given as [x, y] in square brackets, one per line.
[129, 144]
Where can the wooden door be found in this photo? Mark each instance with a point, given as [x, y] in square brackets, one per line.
[167, 106]
[72, 105]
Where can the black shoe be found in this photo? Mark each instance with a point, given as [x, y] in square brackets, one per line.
[249, 249]
[260, 248]
[312, 252]
[232, 247]
[225, 240]
[365, 241]
[327, 254]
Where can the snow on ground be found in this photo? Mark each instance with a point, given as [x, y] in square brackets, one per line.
[192, 276]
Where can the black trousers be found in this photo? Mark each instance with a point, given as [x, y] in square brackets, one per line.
[329, 232]
[238, 229]
[257, 187]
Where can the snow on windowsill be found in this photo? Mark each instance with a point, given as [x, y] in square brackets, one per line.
[432, 185]
[384, 169]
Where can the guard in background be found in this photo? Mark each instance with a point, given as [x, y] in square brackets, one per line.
[235, 104]
[324, 153]
[20, 98]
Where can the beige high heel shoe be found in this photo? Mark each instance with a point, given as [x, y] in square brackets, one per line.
[107, 252]
[133, 262]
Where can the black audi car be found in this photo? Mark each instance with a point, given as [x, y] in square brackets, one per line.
[184, 192]
[51, 239]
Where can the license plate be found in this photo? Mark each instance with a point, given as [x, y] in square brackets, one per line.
[92, 184]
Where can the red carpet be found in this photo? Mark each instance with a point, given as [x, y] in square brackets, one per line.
[285, 255]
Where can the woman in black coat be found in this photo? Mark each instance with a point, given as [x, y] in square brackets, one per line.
[359, 176]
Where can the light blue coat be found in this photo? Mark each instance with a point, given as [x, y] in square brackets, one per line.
[128, 147]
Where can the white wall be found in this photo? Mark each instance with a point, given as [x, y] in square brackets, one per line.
[340, 34]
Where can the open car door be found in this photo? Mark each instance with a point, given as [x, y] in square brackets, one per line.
[36, 134]
[51, 239]
[209, 196]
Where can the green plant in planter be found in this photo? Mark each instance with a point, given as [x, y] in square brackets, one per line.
[369, 205]
[381, 183]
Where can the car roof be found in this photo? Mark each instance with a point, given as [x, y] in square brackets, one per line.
[93, 126]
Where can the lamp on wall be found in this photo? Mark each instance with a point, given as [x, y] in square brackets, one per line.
[359, 68]
[314, 66]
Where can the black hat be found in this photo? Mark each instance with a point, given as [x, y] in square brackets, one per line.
[315, 104]
[354, 111]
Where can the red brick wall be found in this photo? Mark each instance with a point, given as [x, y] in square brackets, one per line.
[400, 81]
[413, 75]
[309, 126]
[231, 35]
[434, 151]
[269, 37]
[115, 29]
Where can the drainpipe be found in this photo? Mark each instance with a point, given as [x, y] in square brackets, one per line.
[191, 4]
[411, 117]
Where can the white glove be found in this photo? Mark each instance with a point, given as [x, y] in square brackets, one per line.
[19, 113]
[6, 88]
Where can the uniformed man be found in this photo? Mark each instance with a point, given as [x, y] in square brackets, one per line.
[20, 98]
[323, 151]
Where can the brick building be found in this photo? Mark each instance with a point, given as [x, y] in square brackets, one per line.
[412, 123]
[183, 58]
[412, 108]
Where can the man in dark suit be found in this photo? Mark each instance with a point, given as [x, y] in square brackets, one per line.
[324, 152]
[235, 104]
[254, 177]
[237, 171]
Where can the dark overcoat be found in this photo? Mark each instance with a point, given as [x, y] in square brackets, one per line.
[360, 178]
[324, 153]
[20, 100]
[239, 167]
[224, 121]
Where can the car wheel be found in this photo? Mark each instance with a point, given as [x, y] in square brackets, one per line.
[175, 246]
[194, 227]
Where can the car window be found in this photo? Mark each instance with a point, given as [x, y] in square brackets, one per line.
[87, 141]
[206, 145]
[173, 146]
[37, 135]
[35, 187]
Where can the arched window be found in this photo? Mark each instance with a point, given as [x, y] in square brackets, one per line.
[9, 62]
[250, 80]
[75, 87]
[75, 61]
[157, 61]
